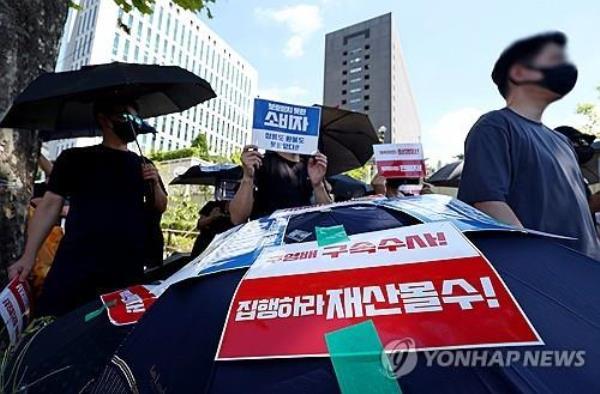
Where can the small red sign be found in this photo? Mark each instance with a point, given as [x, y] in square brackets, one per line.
[128, 305]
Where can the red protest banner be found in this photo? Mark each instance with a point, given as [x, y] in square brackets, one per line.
[426, 282]
[128, 305]
[14, 308]
[399, 160]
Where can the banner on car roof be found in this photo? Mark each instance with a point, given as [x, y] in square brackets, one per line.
[426, 282]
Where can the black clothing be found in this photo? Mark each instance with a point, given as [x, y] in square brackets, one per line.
[208, 233]
[280, 183]
[106, 230]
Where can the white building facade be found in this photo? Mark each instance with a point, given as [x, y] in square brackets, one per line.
[99, 32]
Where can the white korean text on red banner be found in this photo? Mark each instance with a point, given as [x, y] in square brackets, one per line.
[404, 279]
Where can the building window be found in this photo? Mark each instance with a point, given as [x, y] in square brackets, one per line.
[345, 53]
[367, 57]
[355, 100]
[367, 87]
[355, 80]
[367, 46]
[355, 90]
[355, 51]
[344, 63]
[344, 82]
[115, 44]
[367, 97]
[344, 92]
[355, 60]
[343, 102]
[344, 72]
[126, 49]
[367, 76]
[366, 107]
[356, 70]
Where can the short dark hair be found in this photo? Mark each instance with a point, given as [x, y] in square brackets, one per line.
[575, 135]
[522, 51]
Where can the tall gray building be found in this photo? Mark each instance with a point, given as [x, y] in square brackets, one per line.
[365, 72]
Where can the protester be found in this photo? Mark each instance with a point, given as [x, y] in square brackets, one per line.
[278, 180]
[105, 234]
[582, 144]
[518, 170]
[214, 219]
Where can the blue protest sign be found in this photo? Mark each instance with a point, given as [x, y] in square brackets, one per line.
[286, 127]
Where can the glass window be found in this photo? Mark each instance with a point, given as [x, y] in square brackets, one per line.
[355, 80]
[355, 70]
[355, 60]
[355, 51]
[126, 49]
[355, 100]
[160, 16]
[355, 90]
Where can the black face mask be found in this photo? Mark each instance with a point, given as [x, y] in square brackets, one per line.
[124, 130]
[584, 153]
[559, 79]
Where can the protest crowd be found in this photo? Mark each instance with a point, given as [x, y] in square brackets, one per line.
[95, 225]
[516, 169]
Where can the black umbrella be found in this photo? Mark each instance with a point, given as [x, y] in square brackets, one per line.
[346, 138]
[51, 135]
[209, 175]
[64, 101]
[448, 175]
[344, 187]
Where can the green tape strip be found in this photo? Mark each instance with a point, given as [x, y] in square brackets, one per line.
[95, 313]
[355, 353]
[331, 235]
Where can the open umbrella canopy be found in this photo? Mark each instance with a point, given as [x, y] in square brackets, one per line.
[448, 175]
[346, 138]
[209, 175]
[344, 187]
[173, 346]
[64, 100]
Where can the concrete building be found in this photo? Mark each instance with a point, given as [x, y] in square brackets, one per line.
[365, 72]
[100, 33]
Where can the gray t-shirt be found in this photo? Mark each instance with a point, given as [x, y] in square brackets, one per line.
[534, 170]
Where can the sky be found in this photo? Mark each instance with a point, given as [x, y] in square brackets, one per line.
[449, 49]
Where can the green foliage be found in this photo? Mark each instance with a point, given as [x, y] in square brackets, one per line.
[147, 6]
[591, 113]
[363, 173]
[181, 214]
[199, 149]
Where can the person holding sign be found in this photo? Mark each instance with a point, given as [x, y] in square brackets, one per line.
[278, 180]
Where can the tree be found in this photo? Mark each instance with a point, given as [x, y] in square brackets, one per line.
[30, 32]
[592, 115]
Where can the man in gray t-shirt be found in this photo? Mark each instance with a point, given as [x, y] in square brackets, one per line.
[518, 170]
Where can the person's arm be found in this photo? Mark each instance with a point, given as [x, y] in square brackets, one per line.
[500, 211]
[486, 175]
[150, 173]
[241, 206]
[44, 218]
[45, 165]
[317, 168]
[378, 184]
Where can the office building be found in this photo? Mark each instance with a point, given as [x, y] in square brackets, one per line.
[365, 72]
[99, 32]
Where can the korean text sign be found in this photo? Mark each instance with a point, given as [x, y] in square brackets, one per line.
[14, 308]
[399, 160]
[426, 282]
[286, 127]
